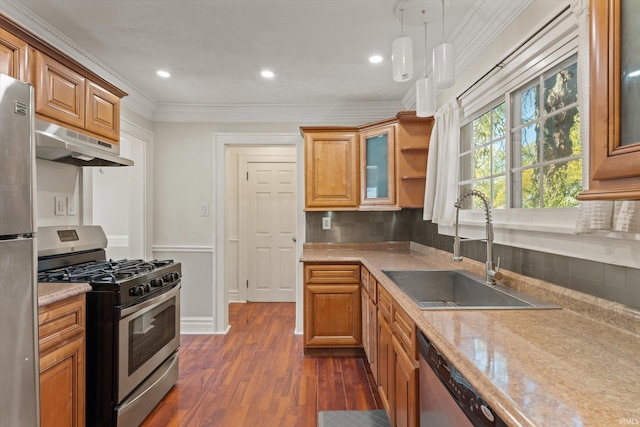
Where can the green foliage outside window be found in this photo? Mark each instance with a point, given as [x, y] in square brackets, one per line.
[544, 153]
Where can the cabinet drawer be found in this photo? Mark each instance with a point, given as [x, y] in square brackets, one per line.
[404, 328]
[373, 289]
[364, 278]
[332, 273]
[384, 303]
[60, 321]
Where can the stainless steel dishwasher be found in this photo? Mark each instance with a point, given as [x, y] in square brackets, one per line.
[447, 399]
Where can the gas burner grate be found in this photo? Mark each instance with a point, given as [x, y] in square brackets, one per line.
[102, 271]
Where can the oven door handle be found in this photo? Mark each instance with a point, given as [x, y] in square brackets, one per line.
[151, 303]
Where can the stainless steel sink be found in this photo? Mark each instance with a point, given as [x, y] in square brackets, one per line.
[457, 289]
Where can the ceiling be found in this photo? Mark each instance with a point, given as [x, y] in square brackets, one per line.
[215, 49]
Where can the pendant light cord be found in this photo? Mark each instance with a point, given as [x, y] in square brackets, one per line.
[442, 21]
[425, 43]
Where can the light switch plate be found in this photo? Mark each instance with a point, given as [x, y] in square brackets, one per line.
[204, 209]
[326, 223]
[61, 205]
[71, 206]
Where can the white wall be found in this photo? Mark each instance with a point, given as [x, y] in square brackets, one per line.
[185, 181]
[56, 180]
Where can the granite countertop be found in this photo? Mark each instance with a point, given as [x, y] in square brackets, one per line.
[574, 366]
[48, 293]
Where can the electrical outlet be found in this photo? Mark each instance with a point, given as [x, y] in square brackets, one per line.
[71, 206]
[61, 205]
[204, 209]
[326, 223]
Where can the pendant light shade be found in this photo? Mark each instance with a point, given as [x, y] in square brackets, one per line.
[425, 97]
[444, 72]
[402, 59]
[402, 55]
[443, 66]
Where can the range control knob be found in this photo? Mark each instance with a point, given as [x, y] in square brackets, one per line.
[156, 283]
[147, 287]
[175, 276]
[136, 291]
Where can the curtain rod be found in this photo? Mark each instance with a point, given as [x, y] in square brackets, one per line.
[510, 54]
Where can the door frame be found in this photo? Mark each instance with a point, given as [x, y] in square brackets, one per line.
[220, 142]
[243, 163]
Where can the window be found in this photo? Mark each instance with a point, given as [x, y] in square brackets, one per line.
[525, 152]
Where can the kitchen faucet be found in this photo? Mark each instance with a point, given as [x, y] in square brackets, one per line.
[492, 271]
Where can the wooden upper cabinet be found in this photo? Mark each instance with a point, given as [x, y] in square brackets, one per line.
[13, 56]
[66, 93]
[614, 136]
[331, 169]
[67, 97]
[102, 112]
[379, 165]
[59, 91]
[412, 153]
[377, 168]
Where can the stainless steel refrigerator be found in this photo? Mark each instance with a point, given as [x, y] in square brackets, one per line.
[19, 365]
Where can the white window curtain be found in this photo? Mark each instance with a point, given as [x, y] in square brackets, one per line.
[441, 190]
[597, 216]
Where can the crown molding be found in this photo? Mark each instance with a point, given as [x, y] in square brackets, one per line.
[301, 114]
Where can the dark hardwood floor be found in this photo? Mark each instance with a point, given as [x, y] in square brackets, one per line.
[257, 375]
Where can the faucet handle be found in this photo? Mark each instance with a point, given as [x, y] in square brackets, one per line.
[497, 275]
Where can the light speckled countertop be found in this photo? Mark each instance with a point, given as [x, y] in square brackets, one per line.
[48, 293]
[577, 366]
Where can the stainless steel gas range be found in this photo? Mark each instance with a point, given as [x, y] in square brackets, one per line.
[133, 322]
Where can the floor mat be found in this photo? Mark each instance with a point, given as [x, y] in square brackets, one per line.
[376, 418]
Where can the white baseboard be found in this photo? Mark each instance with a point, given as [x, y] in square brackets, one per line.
[196, 326]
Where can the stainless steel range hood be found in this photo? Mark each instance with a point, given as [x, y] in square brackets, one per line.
[59, 144]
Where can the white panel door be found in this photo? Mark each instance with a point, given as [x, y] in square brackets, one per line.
[270, 227]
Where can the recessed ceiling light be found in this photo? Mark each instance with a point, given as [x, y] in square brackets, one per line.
[162, 73]
[267, 74]
[375, 59]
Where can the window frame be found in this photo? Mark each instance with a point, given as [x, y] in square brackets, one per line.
[547, 49]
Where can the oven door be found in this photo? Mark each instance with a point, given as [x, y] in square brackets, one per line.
[149, 333]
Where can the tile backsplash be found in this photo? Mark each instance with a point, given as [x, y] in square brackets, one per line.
[354, 226]
[608, 281]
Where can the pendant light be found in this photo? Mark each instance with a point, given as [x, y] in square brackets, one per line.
[425, 92]
[444, 75]
[402, 55]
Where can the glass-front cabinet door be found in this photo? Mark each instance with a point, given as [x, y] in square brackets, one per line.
[377, 168]
[614, 134]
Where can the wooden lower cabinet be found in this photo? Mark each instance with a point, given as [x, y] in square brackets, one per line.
[373, 338]
[385, 365]
[397, 363]
[366, 322]
[405, 390]
[332, 306]
[62, 363]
